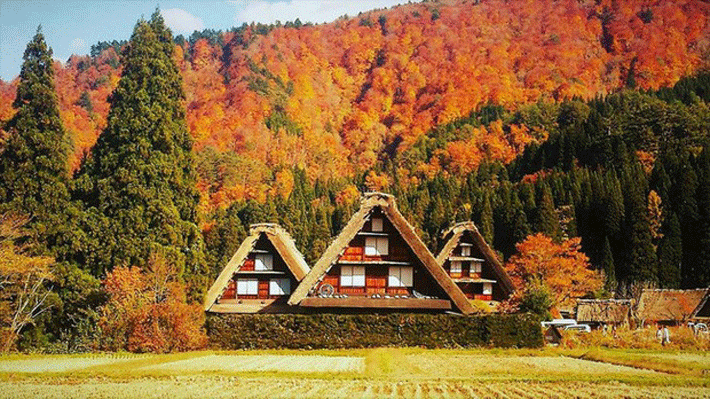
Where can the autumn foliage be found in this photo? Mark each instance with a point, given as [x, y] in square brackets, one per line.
[563, 268]
[331, 98]
[148, 312]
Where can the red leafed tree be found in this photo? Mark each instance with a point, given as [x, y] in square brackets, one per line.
[561, 267]
[148, 311]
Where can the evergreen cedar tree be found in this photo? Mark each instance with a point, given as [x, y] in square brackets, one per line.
[34, 173]
[139, 185]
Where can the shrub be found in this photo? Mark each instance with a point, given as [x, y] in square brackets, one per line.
[331, 331]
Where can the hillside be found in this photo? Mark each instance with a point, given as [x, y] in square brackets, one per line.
[337, 99]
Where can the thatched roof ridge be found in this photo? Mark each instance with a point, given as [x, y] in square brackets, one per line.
[669, 305]
[603, 310]
[388, 205]
[452, 237]
[279, 238]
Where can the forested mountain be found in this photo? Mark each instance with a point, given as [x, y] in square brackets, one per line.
[336, 99]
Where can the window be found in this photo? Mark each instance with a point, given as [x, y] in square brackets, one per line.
[247, 286]
[375, 246]
[400, 276]
[475, 267]
[352, 276]
[376, 224]
[455, 267]
[466, 251]
[264, 262]
[487, 289]
[279, 286]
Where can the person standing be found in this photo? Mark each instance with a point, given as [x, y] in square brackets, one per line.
[666, 336]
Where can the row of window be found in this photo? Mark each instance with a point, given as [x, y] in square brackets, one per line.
[398, 276]
[456, 266]
[250, 286]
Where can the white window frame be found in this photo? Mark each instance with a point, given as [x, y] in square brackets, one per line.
[465, 251]
[352, 276]
[377, 224]
[487, 289]
[456, 267]
[400, 276]
[263, 262]
[376, 246]
[476, 267]
[279, 286]
[247, 286]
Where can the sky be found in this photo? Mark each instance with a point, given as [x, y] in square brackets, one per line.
[73, 26]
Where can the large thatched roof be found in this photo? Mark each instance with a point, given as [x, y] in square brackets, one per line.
[669, 305]
[607, 311]
[452, 237]
[279, 238]
[388, 206]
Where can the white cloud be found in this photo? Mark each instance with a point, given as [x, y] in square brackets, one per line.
[78, 46]
[181, 21]
[316, 11]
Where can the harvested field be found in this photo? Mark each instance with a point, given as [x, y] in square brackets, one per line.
[367, 373]
[232, 387]
[59, 364]
[481, 365]
[297, 364]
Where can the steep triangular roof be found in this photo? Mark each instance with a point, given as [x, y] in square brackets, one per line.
[388, 206]
[452, 237]
[670, 305]
[279, 238]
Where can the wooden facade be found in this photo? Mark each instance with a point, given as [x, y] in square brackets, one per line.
[472, 265]
[379, 262]
[261, 275]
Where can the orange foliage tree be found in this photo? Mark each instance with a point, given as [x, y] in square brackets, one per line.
[148, 311]
[561, 267]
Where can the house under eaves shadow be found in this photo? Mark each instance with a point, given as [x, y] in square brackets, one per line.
[261, 275]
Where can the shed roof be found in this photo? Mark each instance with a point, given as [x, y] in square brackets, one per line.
[603, 310]
[669, 305]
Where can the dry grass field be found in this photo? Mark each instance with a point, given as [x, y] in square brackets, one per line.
[372, 373]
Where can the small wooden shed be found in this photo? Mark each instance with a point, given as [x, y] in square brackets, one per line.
[601, 312]
[379, 263]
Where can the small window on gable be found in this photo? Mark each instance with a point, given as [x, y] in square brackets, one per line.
[279, 286]
[352, 276]
[466, 251]
[377, 224]
[247, 286]
[400, 276]
[475, 267]
[376, 246]
[264, 262]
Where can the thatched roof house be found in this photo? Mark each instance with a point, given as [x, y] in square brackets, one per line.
[261, 274]
[379, 262]
[473, 265]
[669, 306]
[597, 312]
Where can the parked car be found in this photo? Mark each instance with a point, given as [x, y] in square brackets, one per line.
[578, 327]
[559, 323]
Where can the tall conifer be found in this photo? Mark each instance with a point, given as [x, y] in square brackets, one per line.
[140, 178]
[33, 168]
